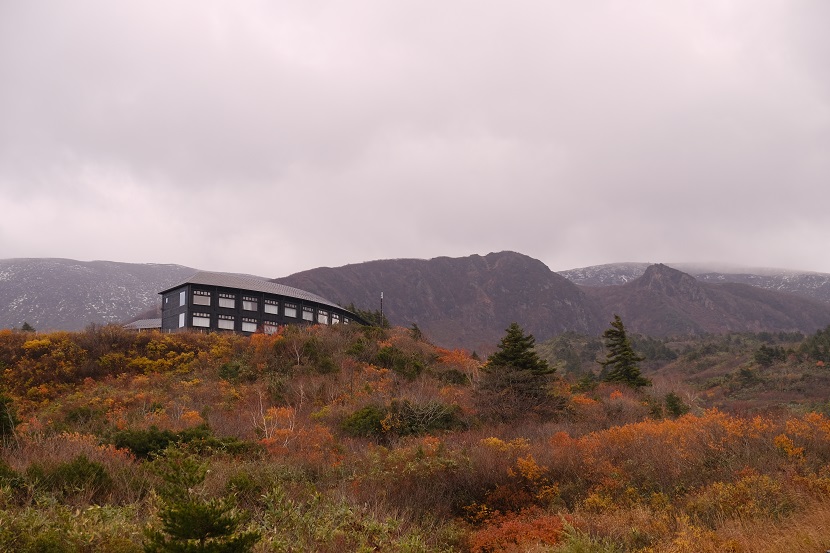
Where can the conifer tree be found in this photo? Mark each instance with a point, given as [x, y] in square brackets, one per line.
[621, 361]
[516, 350]
[190, 522]
[515, 380]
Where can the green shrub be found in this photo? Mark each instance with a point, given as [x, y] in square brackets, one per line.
[8, 418]
[357, 348]
[146, 443]
[143, 443]
[244, 487]
[402, 418]
[46, 540]
[675, 405]
[230, 370]
[58, 528]
[392, 358]
[83, 414]
[318, 355]
[9, 477]
[454, 377]
[237, 371]
[419, 418]
[78, 476]
[767, 355]
[366, 422]
[326, 365]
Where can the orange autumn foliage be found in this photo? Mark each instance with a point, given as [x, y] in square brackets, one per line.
[517, 532]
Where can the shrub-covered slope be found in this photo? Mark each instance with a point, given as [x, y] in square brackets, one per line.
[364, 439]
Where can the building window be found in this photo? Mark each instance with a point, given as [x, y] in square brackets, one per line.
[290, 310]
[227, 300]
[225, 322]
[272, 307]
[335, 319]
[200, 297]
[181, 320]
[270, 328]
[201, 320]
[249, 304]
[323, 317]
[308, 314]
[248, 325]
[182, 298]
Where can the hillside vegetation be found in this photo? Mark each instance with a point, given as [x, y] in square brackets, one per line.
[366, 439]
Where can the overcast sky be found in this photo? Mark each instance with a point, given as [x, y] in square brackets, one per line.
[270, 137]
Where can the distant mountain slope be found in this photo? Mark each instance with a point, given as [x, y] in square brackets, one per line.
[469, 301]
[457, 302]
[809, 285]
[665, 301]
[466, 301]
[65, 294]
[611, 274]
[806, 284]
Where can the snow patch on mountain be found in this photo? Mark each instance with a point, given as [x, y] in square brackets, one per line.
[803, 283]
[64, 294]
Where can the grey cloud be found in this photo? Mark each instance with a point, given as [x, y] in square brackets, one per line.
[579, 133]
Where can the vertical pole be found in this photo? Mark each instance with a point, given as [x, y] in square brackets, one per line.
[381, 309]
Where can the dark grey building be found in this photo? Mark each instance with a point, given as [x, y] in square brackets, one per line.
[219, 301]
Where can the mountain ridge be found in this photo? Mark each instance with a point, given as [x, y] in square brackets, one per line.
[457, 302]
[665, 302]
[658, 300]
[809, 284]
[467, 301]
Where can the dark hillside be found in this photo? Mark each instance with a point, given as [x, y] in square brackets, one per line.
[465, 302]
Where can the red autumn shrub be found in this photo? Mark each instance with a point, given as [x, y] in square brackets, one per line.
[516, 532]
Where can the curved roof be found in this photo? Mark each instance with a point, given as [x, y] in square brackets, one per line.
[255, 284]
[143, 324]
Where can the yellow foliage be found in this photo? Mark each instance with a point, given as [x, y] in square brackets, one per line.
[494, 443]
[786, 446]
[191, 418]
[37, 347]
[514, 446]
[527, 468]
[598, 503]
